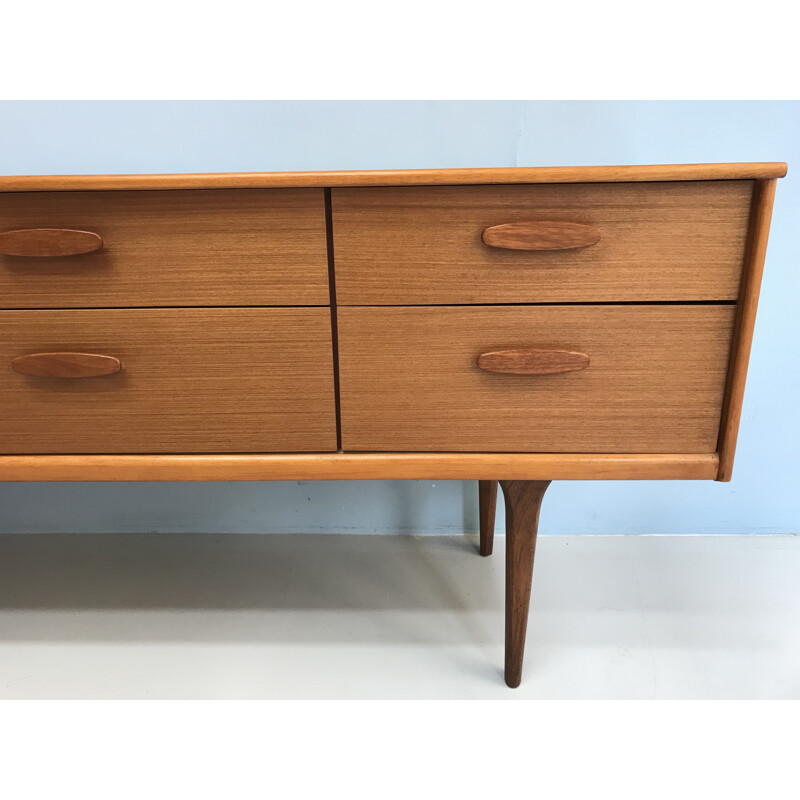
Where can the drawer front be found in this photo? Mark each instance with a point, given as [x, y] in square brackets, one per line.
[189, 381]
[170, 248]
[641, 379]
[657, 241]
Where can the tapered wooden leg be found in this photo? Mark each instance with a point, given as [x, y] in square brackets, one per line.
[487, 503]
[523, 501]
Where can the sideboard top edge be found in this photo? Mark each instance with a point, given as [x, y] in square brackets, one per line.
[399, 177]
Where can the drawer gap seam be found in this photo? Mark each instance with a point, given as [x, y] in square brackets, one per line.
[334, 321]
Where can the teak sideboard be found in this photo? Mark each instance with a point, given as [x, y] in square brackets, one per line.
[501, 325]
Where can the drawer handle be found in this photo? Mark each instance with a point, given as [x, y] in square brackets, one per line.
[48, 242]
[541, 236]
[533, 361]
[66, 365]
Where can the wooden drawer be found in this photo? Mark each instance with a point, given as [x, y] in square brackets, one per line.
[657, 241]
[168, 248]
[192, 381]
[654, 382]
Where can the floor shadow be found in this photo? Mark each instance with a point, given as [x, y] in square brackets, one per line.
[50, 578]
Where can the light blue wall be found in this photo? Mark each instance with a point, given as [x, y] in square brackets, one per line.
[764, 496]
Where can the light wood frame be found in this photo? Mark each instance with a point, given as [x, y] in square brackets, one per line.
[456, 466]
[763, 198]
[396, 177]
[360, 466]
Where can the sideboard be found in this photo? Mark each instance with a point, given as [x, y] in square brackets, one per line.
[511, 326]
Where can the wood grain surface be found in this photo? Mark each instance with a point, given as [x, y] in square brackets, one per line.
[523, 502]
[48, 242]
[745, 324]
[362, 466]
[660, 241]
[487, 505]
[409, 379]
[66, 365]
[395, 177]
[541, 235]
[532, 361]
[177, 248]
[678, 232]
[193, 380]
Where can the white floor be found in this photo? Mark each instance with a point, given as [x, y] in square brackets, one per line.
[310, 616]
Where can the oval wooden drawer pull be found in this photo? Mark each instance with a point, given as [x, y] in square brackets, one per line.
[541, 236]
[533, 361]
[66, 365]
[48, 242]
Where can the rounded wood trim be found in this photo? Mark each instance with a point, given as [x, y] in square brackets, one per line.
[413, 177]
[361, 466]
[533, 361]
[48, 242]
[541, 235]
[66, 365]
[761, 214]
